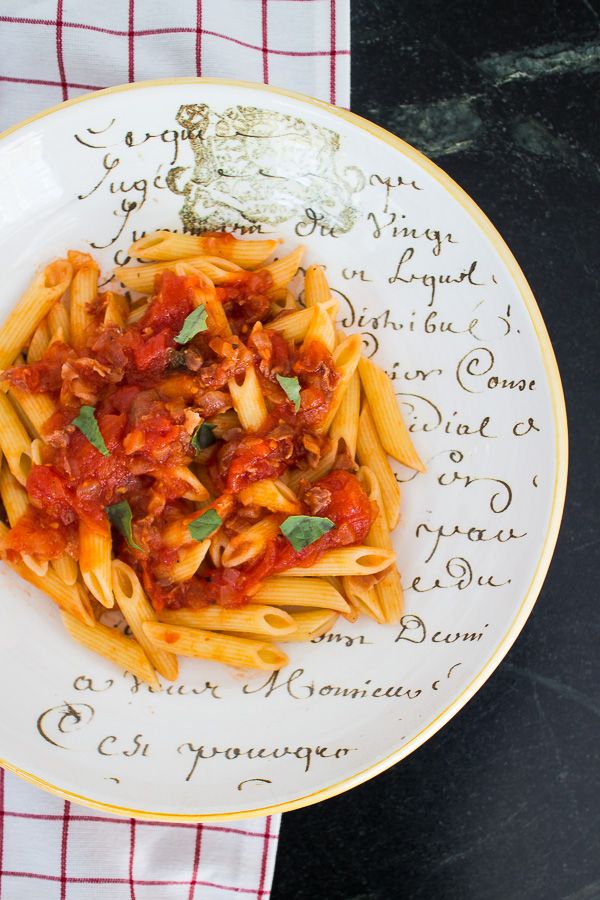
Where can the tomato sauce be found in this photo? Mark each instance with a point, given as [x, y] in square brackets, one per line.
[149, 394]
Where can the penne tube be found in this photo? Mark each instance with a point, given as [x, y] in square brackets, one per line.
[13, 494]
[84, 289]
[218, 543]
[345, 357]
[249, 543]
[370, 453]
[137, 609]
[391, 596]
[137, 313]
[345, 423]
[281, 300]
[71, 598]
[166, 245]
[392, 430]
[362, 595]
[195, 489]
[216, 317]
[323, 467]
[283, 270]
[189, 558]
[223, 422]
[316, 289]
[292, 326]
[15, 501]
[389, 589]
[40, 340]
[356, 560]
[46, 288]
[321, 327]
[314, 592]
[272, 495]
[248, 400]
[116, 310]
[222, 648]
[253, 619]
[36, 451]
[66, 569]
[308, 625]
[95, 546]
[36, 408]
[59, 321]
[15, 443]
[114, 646]
[141, 278]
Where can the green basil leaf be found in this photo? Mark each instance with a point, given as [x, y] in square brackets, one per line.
[205, 524]
[203, 437]
[291, 386]
[193, 325]
[304, 530]
[119, 515]
[86, 422]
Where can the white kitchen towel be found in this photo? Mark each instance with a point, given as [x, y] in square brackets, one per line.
[52, 50]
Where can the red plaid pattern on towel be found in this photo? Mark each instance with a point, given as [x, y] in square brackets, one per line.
[53, 50]
[54, 850]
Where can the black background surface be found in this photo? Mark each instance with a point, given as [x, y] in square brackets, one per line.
[504, 802]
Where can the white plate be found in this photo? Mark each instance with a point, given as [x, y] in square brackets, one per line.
[443, 306]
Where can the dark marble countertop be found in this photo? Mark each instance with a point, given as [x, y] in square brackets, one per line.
[504, 802]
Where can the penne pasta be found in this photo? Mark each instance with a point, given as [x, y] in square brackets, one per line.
[114, 646]
[283, 270]
[321, 327]
[389, 589]
[345, 423]
[66, 569]
[189, 558]
[393, 433]
[16, 503]
[314, 592]
[371, 453]
[72, 599]
[254, 619]
[84, 289]
[272, 495]
[345, 357]
[15, 443]
[142, 278]
[116, 310]
[95, 547]
[137, 609]
[292, 326]
[309, 625]
[248, 400]
[355, 560]
[39, 342]
[218, 497]
[224, 648]
[316, 289]
[167, 245]
[323, 467]
[59, 321]
[362, 595]
[36, 408]
[43, 292]
[250, 543]
[216, 319]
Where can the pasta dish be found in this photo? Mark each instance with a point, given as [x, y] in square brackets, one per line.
[200, 452]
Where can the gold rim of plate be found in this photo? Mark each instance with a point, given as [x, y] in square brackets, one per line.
[560, 474]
